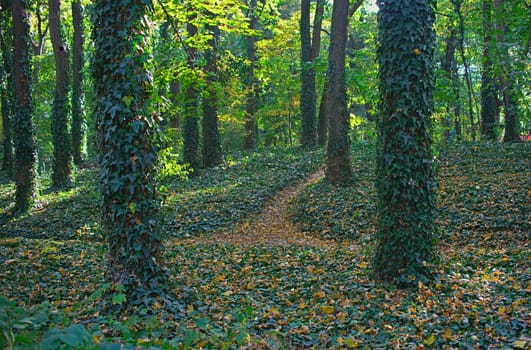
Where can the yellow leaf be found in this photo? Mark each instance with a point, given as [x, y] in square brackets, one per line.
[448, 333]
[228, 293]
[319, 294]
[520, 344]
[327, 309]
[273, 311]
[430, 340]
[352, 343]
[246, 269]
[302, 306]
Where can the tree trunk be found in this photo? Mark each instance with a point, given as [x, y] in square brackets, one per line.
[125, 128]
[25, 149]
[449, 67]
[191, 152]
[212, 155]
[78, 112]
[338, 169]
[457, 6]
[62, 162]
[489, 110]
[322, 120]
[307, 103]
[6, 89]
[405, 178]
[250, 138]
[506, 77]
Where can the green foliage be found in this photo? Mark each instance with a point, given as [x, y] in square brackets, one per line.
[405, 178]
[72, 337]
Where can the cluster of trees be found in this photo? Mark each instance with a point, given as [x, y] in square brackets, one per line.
[216, 75]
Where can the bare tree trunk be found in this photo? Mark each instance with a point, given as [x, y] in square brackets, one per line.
[338, 169]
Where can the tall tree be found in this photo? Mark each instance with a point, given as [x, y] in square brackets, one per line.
[458, 7]
[506, 77]
[308, 135]
[127, 155]
[78, 110]
[25, 150]
[338, 158]
[405, 179]
[489, 105]
[212, 155]
[192, 150]
[62, 151]
[250, 138]
[6, 86]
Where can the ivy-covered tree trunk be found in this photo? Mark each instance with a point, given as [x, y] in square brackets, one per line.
[489, 104]
[127, 156]
[212, 155]
[405, 177]
[191, 142]
[62, 150]
[506, 75]
[6, 87]
[78, 110]
[307, 103]
[338, 169]
[250, 138]
[25, 149]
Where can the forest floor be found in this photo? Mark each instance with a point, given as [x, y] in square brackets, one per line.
[264, 254]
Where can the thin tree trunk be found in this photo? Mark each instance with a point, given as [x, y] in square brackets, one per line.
[250, 138]
[338, 169]
[62, 162]
[489, 110]
[506, 77]
[307, 102]
[457, 6]
[25, 149]
[192, 151]
[212, 155]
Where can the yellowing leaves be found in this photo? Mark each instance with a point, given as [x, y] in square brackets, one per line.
[327, 309]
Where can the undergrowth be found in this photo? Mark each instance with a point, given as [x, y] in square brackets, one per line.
[263, 297]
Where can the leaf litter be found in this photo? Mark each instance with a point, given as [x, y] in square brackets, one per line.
[311, 292]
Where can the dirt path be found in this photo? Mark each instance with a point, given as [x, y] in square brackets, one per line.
[272, 225]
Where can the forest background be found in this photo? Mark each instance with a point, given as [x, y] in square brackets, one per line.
[228, 77]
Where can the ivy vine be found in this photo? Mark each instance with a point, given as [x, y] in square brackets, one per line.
[406, 181]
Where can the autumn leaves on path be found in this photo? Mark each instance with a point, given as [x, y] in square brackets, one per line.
[272, 226]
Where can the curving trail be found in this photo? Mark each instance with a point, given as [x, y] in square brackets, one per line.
[272, 226]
